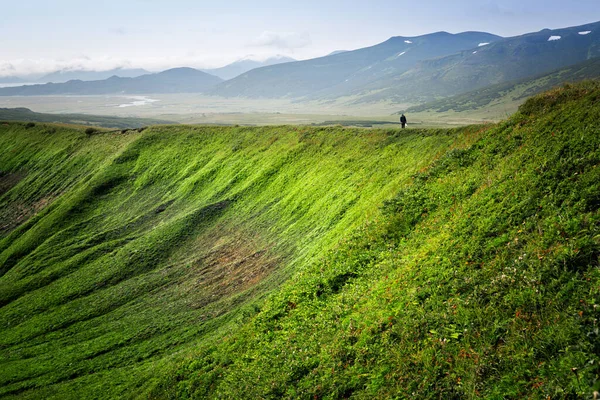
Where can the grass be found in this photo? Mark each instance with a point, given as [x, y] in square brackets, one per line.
[479, 279]
[122, 251]
[510, 95]
[304, 262]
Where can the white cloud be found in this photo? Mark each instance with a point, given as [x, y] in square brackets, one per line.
[282, 40]
[491, 8]
[25, 67]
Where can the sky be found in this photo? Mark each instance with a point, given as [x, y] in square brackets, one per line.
[42, 36]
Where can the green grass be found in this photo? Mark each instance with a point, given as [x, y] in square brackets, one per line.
[123, 251]
[512, 94]
[478, 279]
[304, 262]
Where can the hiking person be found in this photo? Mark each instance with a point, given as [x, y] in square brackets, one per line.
[403, 121]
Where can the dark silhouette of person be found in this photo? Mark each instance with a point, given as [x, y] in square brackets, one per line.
[403, 121]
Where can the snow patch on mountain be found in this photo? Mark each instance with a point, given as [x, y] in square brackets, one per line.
[408, 41]
[482, 44]
[585, 32]
[553, 38]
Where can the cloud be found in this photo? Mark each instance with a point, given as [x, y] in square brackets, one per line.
[495, 9]
[120, 31]
[282, 40]
[25, 67]
[34, 68]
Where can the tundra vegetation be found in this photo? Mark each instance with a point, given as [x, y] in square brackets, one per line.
[304, 262]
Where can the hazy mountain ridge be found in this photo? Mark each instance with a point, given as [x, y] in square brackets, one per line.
[403, 70]
[63, 76]
[176, 80]
[514, 90]
[339, 73]
[244, 65]
[11, 79]
[501, 61]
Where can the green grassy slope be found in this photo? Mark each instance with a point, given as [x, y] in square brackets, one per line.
[479, 279]
[122, 253]
[296, 262]
[507, 93]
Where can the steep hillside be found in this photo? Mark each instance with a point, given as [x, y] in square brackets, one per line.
[503, 60]
[480, 278]
[120, 253]
[301, 262]
[176, 80]
[512, 91]
[339, 73]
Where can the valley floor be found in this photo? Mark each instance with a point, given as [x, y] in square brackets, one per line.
[198, 109]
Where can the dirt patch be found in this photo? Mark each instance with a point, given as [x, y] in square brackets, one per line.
[14, 214]
[229, 268]
[9, 180]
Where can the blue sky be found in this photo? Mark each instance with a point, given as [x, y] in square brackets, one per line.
[41, 36]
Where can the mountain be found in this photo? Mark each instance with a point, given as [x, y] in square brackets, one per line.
[520, 90]
[500, 61]
[239, 67]
[333, 53]
[26, 115]
[11, 79]
[196, 262]
[340, 73]
[176, 80]
[67, 75]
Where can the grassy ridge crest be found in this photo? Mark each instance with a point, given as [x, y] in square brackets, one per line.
[120, 252]
[478, 279]
[299, 262]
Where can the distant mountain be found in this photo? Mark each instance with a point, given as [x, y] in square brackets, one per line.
[514, 90]
[239, 67]
[177, 80]
[11, 79]
[65, 75]
[504, 60]
[341, 73]
[333, 53]
[26, 115]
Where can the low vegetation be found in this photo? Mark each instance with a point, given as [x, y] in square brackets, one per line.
[303, 262]
[514, 91]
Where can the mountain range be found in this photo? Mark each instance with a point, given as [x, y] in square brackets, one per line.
[176, 80]
[419, 69]
[511, 91]
[406, 70]
[500, 61]
[343, 72]
[244, 65]
[69, 75]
